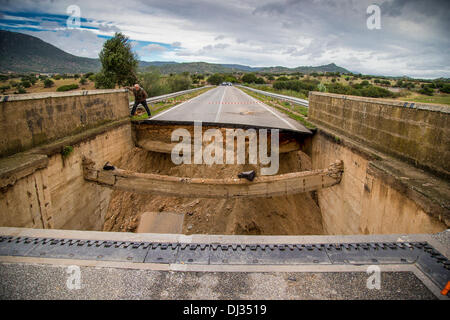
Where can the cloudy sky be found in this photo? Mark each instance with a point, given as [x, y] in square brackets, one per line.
[413, 40]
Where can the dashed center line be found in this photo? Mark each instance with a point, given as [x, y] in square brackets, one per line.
[220, 106]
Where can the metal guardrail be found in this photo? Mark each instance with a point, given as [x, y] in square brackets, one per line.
[299, 101]
[170, 95]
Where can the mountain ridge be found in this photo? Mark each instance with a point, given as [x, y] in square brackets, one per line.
[21, 53]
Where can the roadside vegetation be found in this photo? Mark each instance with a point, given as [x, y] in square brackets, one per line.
[294, 111]
[408, 89]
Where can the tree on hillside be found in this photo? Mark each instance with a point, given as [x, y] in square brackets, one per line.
[119, 63]
[179, 82]
[249, 78]
[216, 79]
[48, 83]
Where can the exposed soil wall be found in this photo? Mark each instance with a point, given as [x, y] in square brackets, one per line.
[288, 215]
[55, 195]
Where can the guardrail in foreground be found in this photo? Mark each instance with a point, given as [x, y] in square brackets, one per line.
[170, 95]
[299, 101]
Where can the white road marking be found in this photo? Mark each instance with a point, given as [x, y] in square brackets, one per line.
[220, 106]
[259, 103]
[179, 105]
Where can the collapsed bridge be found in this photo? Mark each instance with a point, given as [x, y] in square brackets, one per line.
[52, 183]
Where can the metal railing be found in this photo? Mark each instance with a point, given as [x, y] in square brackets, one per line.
[170, 95]
[299, 101]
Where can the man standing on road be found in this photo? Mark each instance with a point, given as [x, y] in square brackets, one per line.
[140, 97]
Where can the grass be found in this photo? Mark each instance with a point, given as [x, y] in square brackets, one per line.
[164, 105]
[39, 85]
[66, 151]
[272, 102]
[442, 98]
[407, 95]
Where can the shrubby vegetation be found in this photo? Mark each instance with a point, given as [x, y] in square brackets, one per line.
[156, 84]
[252, 78]
[216, 79]
[67, 87]
[360, 89]
[48, 83]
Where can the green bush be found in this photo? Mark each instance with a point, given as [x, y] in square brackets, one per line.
[66, 151]
[179, 82]
[260, 80]
[48, 83]
[296, 85]
[83, 81]
[104, 81]
[216, 79]
[67, 87]
[26, 83]
[20, 89]
[445, 88]
[230, 78]
[365, 83]
[153, 83]
[249, 78]
[427, 90]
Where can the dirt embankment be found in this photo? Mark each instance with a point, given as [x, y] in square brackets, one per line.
[287, 215]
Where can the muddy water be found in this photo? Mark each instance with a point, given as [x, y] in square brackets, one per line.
[287, 215]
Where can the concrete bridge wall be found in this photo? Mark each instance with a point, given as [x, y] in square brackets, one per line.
[29, 120]
[419, 135]
[380, 192]
[41, 188]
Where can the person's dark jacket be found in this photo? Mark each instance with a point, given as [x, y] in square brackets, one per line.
[139, 95]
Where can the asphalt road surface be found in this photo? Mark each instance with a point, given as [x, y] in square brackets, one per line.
[229, 105]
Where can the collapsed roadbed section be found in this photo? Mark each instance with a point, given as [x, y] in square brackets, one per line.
[263, 186]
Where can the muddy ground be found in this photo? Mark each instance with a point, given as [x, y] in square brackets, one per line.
[286, 215]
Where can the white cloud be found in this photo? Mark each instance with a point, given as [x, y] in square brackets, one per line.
[413, 39]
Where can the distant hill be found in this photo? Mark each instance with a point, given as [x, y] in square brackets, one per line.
[24, 53]
[325, 68]
[204, 67]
